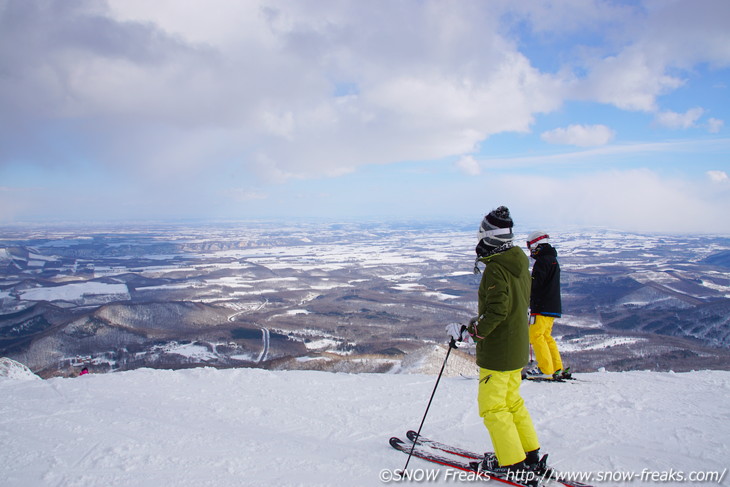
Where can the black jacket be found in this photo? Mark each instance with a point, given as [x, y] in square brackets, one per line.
[545, 293]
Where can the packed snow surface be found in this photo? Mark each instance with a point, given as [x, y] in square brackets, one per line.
[253, 427]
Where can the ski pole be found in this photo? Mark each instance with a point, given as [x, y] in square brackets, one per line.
[452, 344]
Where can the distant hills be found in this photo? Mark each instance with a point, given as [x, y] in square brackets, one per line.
[350, 297]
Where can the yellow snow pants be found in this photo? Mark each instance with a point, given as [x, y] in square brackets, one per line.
[505, 415]
[546, 350]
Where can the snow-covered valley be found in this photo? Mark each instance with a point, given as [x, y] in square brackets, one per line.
[254, 427]
[355, 297]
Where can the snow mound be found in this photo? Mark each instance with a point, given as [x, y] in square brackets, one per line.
[15, 370]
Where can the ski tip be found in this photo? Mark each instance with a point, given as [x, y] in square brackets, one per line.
[395, 442]
[412, 435]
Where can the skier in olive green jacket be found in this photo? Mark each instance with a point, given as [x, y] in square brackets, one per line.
[502, 337]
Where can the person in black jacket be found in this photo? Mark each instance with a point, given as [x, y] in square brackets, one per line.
[545, 304]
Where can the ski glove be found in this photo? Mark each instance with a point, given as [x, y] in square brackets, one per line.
[458, 332]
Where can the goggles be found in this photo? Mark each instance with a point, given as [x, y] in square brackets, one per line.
[481, 234]
[530, 243]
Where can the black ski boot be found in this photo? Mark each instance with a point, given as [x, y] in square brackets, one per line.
[520, 473]
[535, 463]
[563, 374]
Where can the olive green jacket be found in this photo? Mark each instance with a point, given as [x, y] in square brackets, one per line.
[501, 330]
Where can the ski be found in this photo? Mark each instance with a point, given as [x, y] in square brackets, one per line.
[422, 440]
[533, 378]
[463, 465]
[471, 457]
[531, 372]
[544, 379]
[552, 379]
[548, 378]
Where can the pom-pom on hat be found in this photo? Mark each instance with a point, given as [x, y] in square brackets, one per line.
[495, 230]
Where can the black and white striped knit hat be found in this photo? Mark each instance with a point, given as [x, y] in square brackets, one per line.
[495, 231]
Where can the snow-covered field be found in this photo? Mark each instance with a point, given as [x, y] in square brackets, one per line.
[252, 427]
[76, 291]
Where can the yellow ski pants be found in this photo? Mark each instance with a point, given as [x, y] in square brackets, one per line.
[505, 415]
[546, 350]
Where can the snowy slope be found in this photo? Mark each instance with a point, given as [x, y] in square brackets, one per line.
[252, 427]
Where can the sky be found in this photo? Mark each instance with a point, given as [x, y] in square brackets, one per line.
[597, 113]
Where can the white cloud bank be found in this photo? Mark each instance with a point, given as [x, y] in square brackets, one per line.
[714, 125]
[580, 135]
[468, 165]
[638, 200]
[718, 176]
[175, 104]
[675, 120]
[182, 86]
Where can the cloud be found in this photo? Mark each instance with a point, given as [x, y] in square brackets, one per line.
[718, 176]
[714, 125]
[674, 120]
[132, 82]
[611, 152]
[167, 95]
[468, 165]
[637, 200]
[241, 194]
[630, 80]
[650, 48]
[16, 203]
[579, 135]
[647, 203]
